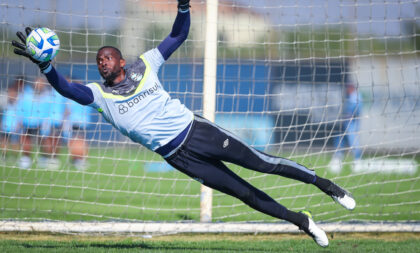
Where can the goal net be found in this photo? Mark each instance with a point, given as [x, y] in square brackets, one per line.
[333, 85]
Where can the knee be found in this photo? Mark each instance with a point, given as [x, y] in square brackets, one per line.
[253, 198]
[246, 195]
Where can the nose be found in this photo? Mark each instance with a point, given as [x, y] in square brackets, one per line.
[103, 64]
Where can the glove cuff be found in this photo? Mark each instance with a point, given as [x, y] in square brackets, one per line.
[183, 8]
[45, 67]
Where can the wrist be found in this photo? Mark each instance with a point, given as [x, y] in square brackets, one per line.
[183, 6]
[47, 70]
[183, 11]
[45, 67]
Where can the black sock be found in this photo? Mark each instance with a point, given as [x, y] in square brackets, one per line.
[322, 183]
[298, 219]
[329, 187]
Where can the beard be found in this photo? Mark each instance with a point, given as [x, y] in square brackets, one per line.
[110, 77]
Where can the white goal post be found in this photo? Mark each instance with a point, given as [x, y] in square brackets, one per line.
[333, 85]
[209, 92]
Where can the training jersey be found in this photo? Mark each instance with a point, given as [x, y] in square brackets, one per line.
[352, 105]
[147, 115]
[9, 123]
[79, 114]
[56, 107]
[32, 108]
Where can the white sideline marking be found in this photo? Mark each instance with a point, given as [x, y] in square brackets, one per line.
[400, 166]
[167, 228]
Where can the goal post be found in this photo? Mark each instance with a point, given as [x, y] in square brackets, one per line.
[209, 92]
[332, 85]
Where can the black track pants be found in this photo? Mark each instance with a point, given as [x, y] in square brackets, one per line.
[207, 145]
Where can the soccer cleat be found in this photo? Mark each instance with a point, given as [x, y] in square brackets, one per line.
[42, 162]
[341, 196]
[80, 164]
[53, 164]
[335, 166]
[310, 228]
[25, 162]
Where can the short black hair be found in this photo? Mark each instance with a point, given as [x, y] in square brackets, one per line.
[113, 48]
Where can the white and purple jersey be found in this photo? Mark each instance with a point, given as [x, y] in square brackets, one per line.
[146, 113]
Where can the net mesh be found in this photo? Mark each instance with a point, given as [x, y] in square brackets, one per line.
[333, 85]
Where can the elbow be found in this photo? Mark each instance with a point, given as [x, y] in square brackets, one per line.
[183, 36]
[180, 36]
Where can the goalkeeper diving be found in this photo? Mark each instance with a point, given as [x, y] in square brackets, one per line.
[134, 101]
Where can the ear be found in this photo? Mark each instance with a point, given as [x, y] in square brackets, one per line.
[122, 62]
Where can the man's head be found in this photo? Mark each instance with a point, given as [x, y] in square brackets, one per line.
[110, 64]
[350, 88]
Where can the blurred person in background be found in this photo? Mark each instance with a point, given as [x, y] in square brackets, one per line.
[33, 110]
[52, 129]
[350, 120]
[78, 117]
[30, 121]
[9, 137]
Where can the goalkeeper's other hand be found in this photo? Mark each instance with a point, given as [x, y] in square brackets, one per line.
[20, 49]
[184, 5]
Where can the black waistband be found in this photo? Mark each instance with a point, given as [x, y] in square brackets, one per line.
[167, 148]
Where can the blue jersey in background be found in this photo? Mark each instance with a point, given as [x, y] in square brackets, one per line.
[55, 105]
[10, 120]
[79, 115]
[29, 110]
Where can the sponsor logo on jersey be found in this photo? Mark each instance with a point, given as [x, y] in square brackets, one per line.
[124, 106]
[136, 77]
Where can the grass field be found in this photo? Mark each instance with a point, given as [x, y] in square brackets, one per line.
[117, 186]
[35, 242]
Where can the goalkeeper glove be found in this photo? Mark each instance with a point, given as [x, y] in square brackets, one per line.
[20, 49]
[184, 5]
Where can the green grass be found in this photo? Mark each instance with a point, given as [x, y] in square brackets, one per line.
[116, 186]
[24, 242]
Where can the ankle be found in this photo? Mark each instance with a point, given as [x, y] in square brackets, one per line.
[322, 183]
[298, 219]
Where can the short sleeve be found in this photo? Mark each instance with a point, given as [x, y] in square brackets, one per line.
[154, 58]
[97, 96]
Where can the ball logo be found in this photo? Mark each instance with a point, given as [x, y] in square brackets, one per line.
[122, 109]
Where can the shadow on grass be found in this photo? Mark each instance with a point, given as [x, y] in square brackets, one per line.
[138, 245]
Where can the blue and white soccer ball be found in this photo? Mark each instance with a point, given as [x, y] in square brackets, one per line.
[42, 44]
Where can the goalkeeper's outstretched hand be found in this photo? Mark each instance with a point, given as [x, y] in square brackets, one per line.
[20, 49]
[184, 5]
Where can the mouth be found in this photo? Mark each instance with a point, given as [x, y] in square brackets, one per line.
[105, 72]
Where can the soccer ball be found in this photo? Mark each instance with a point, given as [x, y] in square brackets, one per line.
[42, 44]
